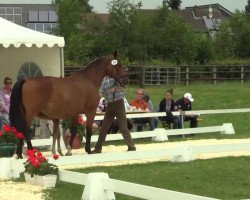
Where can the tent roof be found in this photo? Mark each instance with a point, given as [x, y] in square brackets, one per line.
[11, 33]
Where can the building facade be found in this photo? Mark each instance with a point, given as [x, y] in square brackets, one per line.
[37, 15]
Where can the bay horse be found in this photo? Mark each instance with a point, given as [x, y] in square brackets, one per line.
[56, 98]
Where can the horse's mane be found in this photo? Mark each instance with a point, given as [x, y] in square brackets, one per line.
[97, 61]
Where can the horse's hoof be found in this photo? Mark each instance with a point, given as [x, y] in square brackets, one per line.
[88, 150]
[19, 156]
[95, 151]
[68, 154]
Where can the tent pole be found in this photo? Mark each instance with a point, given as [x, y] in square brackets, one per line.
[61, 62]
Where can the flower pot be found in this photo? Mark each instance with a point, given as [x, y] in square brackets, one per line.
[7, 150]
[77, 144]
[48, 181]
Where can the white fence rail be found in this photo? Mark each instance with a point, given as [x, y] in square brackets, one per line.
[159, 134]
[98, 186]
[177, 113]
[10, 167]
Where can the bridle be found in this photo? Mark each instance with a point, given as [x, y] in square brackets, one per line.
[119, 78]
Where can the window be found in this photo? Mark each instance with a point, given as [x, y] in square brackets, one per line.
[42, 27]
[53, 16]
[12, 14]
[43, 16]
[29, 69]
[33, 16]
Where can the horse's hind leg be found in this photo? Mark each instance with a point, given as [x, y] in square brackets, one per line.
[73, 131]
[56, 137]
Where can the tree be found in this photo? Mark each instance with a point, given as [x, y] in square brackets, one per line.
[247, 7]
[71, 27]
[173, 38]
[174, 4]
[205, 51]
[224, 44]
[126, 29]
[240, 26]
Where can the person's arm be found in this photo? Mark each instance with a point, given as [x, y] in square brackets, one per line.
[5, 108]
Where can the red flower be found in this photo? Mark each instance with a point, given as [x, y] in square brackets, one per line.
[39, 154]
[36, 164]
[32, 159]
[80, 120]
[31, 153]
[20, 136]
[1, 133]
[7, 128]
[55, 156]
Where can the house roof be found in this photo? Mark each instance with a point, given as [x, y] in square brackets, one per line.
[198, 16]
[13, 34]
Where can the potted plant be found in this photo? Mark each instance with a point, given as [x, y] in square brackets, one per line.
[9, 137]
[39, 171]
[66, 124]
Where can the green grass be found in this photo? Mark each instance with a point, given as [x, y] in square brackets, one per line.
[224, 178]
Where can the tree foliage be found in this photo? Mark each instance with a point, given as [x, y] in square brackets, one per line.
[174, 4]
[247, 7]
[147, 35]
[71, 27]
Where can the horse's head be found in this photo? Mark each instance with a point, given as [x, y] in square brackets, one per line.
[117, 71]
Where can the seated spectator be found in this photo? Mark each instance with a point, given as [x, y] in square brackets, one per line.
[167, 105]
[5, 94]
[146, 98]
[185, 104]
[140, 104]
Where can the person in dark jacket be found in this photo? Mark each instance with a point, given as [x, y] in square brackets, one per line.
[185, 104]
[167, 105]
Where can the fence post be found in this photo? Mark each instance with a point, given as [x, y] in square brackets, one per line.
[242, 74]
[94, 189]
[214, 75]
[6, 170]
[186, 154]
[161, 135]
[187, 75]
[227, 128]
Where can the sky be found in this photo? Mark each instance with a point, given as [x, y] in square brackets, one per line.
[100, 6]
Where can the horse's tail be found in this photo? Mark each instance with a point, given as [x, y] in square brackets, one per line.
[17, 111]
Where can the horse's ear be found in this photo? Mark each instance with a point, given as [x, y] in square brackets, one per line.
[115, 54]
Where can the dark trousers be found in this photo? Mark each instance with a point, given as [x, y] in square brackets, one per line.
[115, 109]
[170, 118]
[193, 120]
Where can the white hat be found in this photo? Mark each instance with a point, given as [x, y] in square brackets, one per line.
[188, 96]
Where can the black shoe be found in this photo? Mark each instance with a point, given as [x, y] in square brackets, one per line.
[131, 149]
[95, 151]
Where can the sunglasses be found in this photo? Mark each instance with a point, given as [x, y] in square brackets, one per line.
[8, 83]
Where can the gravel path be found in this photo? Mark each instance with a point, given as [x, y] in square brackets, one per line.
[22, 191]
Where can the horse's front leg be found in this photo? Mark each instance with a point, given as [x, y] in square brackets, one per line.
[19, 149]
[88, 138]
[90, 121]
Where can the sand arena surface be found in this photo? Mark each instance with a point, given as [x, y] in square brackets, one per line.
[10, 190]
